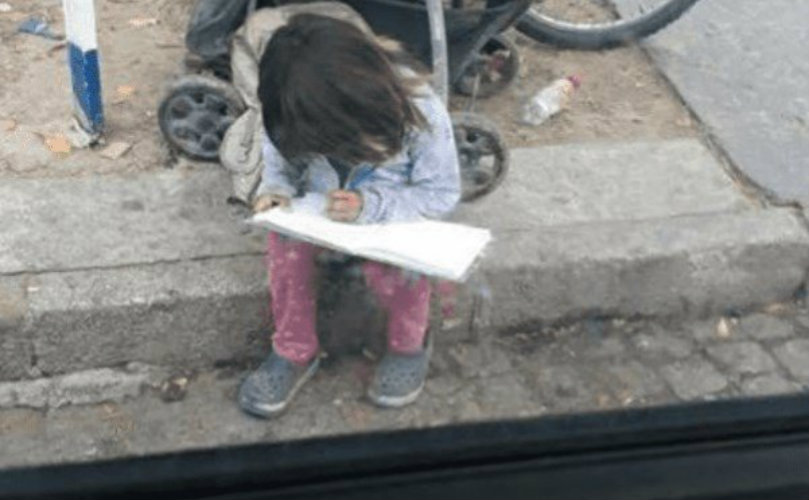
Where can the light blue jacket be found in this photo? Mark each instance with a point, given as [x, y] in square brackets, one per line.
[421, 181]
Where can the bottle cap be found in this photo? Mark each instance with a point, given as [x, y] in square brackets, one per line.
[575, 80]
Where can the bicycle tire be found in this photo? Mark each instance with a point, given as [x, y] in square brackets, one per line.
[567, 35]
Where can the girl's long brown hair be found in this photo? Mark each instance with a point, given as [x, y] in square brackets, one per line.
[327, 88]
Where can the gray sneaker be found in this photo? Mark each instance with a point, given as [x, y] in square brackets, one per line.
[268, 391]
[399, 378]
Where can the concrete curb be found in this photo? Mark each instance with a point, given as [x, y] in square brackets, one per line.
[200, 314]
[563, 249]
[687, 266]
[86, 387]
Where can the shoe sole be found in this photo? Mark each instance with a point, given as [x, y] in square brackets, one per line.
[400, 401]
[267, 410]
[395, 401]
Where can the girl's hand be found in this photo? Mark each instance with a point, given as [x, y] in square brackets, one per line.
[268, 201]
[344, 206]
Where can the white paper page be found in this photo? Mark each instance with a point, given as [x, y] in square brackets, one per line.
[434, 248]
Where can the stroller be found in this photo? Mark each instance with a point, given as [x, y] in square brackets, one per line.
[213, 114]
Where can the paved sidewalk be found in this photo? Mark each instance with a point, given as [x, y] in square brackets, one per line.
[587, 366]
[741, 66]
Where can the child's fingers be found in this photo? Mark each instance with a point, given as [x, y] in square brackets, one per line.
[341, 194]
[262, 203]
[279, 200]
[340, 206]
[344, 198]
[340, 216]
[343, 206]
[268, 201]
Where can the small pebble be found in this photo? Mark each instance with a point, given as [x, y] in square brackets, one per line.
[116, 150]
[723, 328]
[174, 389]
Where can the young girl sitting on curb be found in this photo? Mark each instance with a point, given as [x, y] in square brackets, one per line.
[356, 135]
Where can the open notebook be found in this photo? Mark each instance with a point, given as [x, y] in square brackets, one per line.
[440, 249]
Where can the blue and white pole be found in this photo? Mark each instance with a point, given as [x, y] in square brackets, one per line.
[80, 27]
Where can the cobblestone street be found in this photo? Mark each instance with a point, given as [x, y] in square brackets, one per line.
[638, 363]
[587, 366]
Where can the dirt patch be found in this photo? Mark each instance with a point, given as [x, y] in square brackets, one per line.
[141, 48]
[623, 97]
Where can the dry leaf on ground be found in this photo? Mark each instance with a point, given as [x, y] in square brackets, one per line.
[723, 328]
[123, 93]
[116, 150]
[174, 389]
[777, 308]
[142, 22]
[58, 144]
[7, 125]
[125, 90]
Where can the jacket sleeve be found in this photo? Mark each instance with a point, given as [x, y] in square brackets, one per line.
[278, 175]
[434, 185]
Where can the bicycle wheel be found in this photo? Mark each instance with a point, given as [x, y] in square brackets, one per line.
[598, 24]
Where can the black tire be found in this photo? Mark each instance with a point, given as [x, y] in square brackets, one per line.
[477, 137]
[488, 86]
[196, 113]
[571, 36]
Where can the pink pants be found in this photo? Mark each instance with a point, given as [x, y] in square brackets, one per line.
[291, 265]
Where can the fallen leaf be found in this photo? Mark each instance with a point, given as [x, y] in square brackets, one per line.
[125, 91]
[776, 308]
[627, 398]
[684, 121]
[169, 45]
[451, 323]
[142, 22]
[110, 410]
[723, 328]
[58, 144]
[174, 389]
[59, 46]
[7, 125]
[357, 418]
[116, 150]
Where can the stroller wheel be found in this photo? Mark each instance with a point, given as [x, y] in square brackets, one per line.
[196, 113]
[482, 155]
[496, 65]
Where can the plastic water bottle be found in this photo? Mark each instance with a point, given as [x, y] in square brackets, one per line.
[550, 100]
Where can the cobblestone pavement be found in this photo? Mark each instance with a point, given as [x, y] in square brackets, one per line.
[587, 366]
